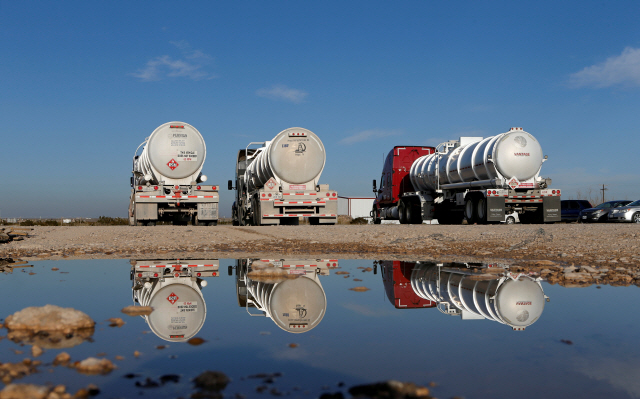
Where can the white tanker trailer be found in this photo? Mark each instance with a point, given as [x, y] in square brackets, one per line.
[480, 180]
[516, 300]
[173, 290]
[289, 291]
[278, 182]
[167, 177]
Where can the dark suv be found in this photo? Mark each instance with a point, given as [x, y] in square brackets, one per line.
[570, 209]
[600, 213]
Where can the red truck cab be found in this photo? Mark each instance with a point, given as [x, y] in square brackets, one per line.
[395, 180]
[396, 276]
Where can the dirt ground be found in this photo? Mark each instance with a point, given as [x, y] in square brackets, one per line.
[579, 244]
[568, 254]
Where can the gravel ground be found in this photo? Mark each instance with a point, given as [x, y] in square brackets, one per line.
[580, 244]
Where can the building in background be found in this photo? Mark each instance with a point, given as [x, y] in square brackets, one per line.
[355, 207]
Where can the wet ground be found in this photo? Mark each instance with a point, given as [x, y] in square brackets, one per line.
[303, 327]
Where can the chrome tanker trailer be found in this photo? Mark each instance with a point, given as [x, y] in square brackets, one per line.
[173, 290]
[475, 179]
[516, 300]
[287, 291]
[278, 183]
[167, 179]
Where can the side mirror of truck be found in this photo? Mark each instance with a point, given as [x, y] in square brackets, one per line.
[374, 186]
[230, 185]
[131, 181]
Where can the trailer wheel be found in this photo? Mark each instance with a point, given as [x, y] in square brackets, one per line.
[469, 211]
[213, 223]
[481, 210]
[151, 223]
[255, 206]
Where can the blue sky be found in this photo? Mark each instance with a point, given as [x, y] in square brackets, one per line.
[83, 83]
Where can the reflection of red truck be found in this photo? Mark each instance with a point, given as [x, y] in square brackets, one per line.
[396, 276]
[395, 182]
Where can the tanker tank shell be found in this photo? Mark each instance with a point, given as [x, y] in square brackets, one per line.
[179, 310]
[297, 305]
[295, 156]
[514, 154]
[174, 151]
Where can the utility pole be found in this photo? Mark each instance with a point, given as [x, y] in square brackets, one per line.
[603, 189]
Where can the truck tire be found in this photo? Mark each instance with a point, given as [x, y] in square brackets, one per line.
[374, 216]
[481, 210]
[213, 223]
[151, 222]
[469, 210]
[402, 212]
[255, 206]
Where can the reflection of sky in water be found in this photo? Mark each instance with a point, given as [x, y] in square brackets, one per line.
[362, 338]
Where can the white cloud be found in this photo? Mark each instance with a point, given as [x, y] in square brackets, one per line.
[621, 374]
[623, 70]
[369, 135]
[192, 64]
[282, 92]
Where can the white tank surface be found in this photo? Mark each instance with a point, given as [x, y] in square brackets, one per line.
[514, 154]
[296, 305]
[514, 300]
[295, 156]
[174, 153]
[178, 306]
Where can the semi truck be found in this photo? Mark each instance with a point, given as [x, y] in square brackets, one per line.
[173, 288]
[167, 181]
[474, 179]
[514, 299]
[288, 291]
[278, 182]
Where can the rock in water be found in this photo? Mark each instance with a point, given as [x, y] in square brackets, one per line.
[49, 318]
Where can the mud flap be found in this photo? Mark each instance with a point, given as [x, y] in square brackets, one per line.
[495, 209]
[551, 209]
[208, 211]
[147, 211]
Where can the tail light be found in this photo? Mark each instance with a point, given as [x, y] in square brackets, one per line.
[139, 188]
[334, 194]
[155, 187]
[198, 187]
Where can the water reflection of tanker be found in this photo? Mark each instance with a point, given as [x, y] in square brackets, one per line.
[516, 300]
[288, 291]
[173, 290]
[396, 276]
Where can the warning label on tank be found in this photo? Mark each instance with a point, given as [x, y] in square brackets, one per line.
[187, 156]
[172, 164]
[186, 307]
[173, 298]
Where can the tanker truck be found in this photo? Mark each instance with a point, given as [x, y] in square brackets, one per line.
[277, 183]
[474, 179]
[167, 179]
[174, 290]
[516, 300]
[288, 291]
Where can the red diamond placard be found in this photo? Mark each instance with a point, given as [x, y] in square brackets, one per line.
[271, 183]
[172, 164]
[173, 298]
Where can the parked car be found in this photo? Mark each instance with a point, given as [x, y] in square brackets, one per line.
[511, 218]
[600, 213]
[626, 213]
[570, 209]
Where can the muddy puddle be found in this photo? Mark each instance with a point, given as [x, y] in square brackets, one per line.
[250, 328]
